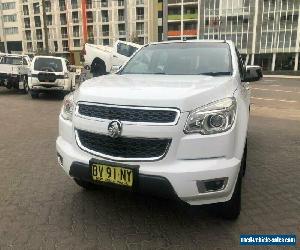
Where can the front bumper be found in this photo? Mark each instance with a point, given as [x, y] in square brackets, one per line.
[58, 85]
[153, 185]
[181, 175]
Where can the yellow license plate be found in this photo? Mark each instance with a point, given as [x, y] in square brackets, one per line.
[111, 174]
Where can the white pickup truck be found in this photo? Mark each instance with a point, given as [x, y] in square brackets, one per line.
[101, 59]
[173, 121]
[14, 71]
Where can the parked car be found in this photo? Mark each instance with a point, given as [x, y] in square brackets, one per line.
[101, 59]
[48, 73]
[172, 122]
[14, 71]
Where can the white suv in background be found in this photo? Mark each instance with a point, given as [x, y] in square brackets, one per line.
[48, 73]
[173, 122]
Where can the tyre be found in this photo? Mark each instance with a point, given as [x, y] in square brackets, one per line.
[26, 87]
[34, 95]
[231, 209]
[244, 160]
[86, 185]
[61, 95]
[9, 85]
[98, 67]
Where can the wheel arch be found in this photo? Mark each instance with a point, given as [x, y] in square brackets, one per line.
[102, 66]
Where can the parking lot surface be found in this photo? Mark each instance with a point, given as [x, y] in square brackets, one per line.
[41, 207]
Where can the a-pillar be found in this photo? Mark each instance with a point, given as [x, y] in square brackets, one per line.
[296, 61]
[252, 59]
[273, 62]
[247, 59]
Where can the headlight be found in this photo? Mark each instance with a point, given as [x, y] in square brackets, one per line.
[68, 107]
[216, 117]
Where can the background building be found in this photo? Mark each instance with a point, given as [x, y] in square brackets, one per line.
[10, 31]
[265, 31]
[72, 23]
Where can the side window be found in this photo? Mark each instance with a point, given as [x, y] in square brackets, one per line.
[131, 50]
[240, 63]
[123, 49]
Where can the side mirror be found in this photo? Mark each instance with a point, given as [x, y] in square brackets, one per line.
[252, 74]
[115, 68]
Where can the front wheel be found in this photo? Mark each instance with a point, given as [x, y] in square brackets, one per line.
[231, 209]
[34, 95]
[26, 86]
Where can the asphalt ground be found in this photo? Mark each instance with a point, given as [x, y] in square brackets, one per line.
[41, 207]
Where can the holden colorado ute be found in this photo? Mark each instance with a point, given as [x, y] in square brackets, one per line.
[172, 121]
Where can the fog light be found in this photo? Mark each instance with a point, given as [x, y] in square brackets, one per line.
[60, 160]
[213, 185]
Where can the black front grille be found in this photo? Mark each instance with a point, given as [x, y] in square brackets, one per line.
[124, 147]
[128, 114]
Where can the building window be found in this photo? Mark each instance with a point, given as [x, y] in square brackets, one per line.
[64, 32]
[55, 46]
[49, 19]
[65, 45]
[28, 34]
[9, 18]
[140, 13]
[36, 8]
[47, 6]
[27, 22]
[40, 45]
[74, 4]
[62, 5]
[105, 41]
[26, 10]
[37, 21]
[11, 31]
[9, 5]
[39, 35]
[104, 15]
[76, 42]
[75, 17]
[29, 46]
[63, 19]
[76, 32]
[89, 16]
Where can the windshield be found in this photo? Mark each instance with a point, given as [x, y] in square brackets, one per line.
[13, 60]
[48, 64]
[181, 59]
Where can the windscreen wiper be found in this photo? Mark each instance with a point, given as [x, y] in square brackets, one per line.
[216, 73]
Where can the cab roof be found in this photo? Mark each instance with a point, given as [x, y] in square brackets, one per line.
[192, 41]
